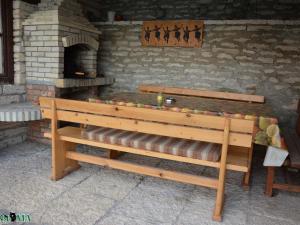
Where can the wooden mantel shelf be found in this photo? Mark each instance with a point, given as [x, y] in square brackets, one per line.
[69, 83]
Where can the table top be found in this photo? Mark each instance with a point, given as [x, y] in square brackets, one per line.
[199, 103]
[266, 130]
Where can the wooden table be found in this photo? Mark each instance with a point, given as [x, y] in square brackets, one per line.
[203, 104]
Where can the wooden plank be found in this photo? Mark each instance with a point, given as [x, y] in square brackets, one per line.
[112, 154]
[237, 160]
[287, 187]
[178, 118]
[145, 170]
[222, 173]
[192, 133]
[202, 93]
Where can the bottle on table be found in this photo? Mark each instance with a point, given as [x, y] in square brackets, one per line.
[160, 99]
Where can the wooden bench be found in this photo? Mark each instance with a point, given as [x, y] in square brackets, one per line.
[201, 93]
[292, 139]
[233, 137]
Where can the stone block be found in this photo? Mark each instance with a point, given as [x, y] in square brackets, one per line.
[37, 54]
[51, 32]
[13, 89]
[120, 53]
[31, 59]
[195, 71]
[284, 61]
[230, 51]
[134, 43]
[37, 33]
[48, 60]
[37, 64]
[19, 79]
[287, 48]
[230, 28]
[265, 60]
[30, 28]
[51, 43]
[52, 65]
[9, 99]
[174, 65]
[224, 56]
[206, 54]
[37, 43]
[44, 27]
[31, 49]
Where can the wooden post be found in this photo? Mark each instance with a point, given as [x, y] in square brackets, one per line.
[270, 181]
[54, 142]
[60, 164]
[222, 173]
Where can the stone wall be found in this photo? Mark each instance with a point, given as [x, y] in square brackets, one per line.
[258, 59]
[11, 133]
[194, 9]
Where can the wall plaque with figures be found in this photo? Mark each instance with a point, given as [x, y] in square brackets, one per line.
[180, 33]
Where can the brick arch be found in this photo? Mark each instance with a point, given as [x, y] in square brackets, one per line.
[80, 39]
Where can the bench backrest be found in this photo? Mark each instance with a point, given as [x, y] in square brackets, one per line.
[166, 123]
[201, 93]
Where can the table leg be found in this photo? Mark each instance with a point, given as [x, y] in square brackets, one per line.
[270, 181]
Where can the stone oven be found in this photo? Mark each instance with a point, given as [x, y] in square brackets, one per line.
[61, 48]
[80, 56]
[60, 43]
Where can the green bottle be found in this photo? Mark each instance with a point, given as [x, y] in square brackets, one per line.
[160, 99]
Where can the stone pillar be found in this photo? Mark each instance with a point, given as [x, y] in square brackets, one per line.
[36, 129]
[21, 10]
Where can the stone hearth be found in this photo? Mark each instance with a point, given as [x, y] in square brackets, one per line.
[55, 27]
[59, 41]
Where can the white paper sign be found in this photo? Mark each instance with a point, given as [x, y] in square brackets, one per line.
[275, 156]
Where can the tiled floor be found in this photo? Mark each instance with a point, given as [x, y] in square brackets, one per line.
[99, 196]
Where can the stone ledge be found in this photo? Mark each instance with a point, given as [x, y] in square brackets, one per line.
[20, 112]
[31, 22]
[213, 22]
[68, 83]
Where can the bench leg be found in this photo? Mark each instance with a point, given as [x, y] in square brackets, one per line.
[61, 166]
[270, 181]
[220, 198]
[246, 181]
[222, 174]
[246, 178]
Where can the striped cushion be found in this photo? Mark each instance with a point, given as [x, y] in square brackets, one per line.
[163, 144]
